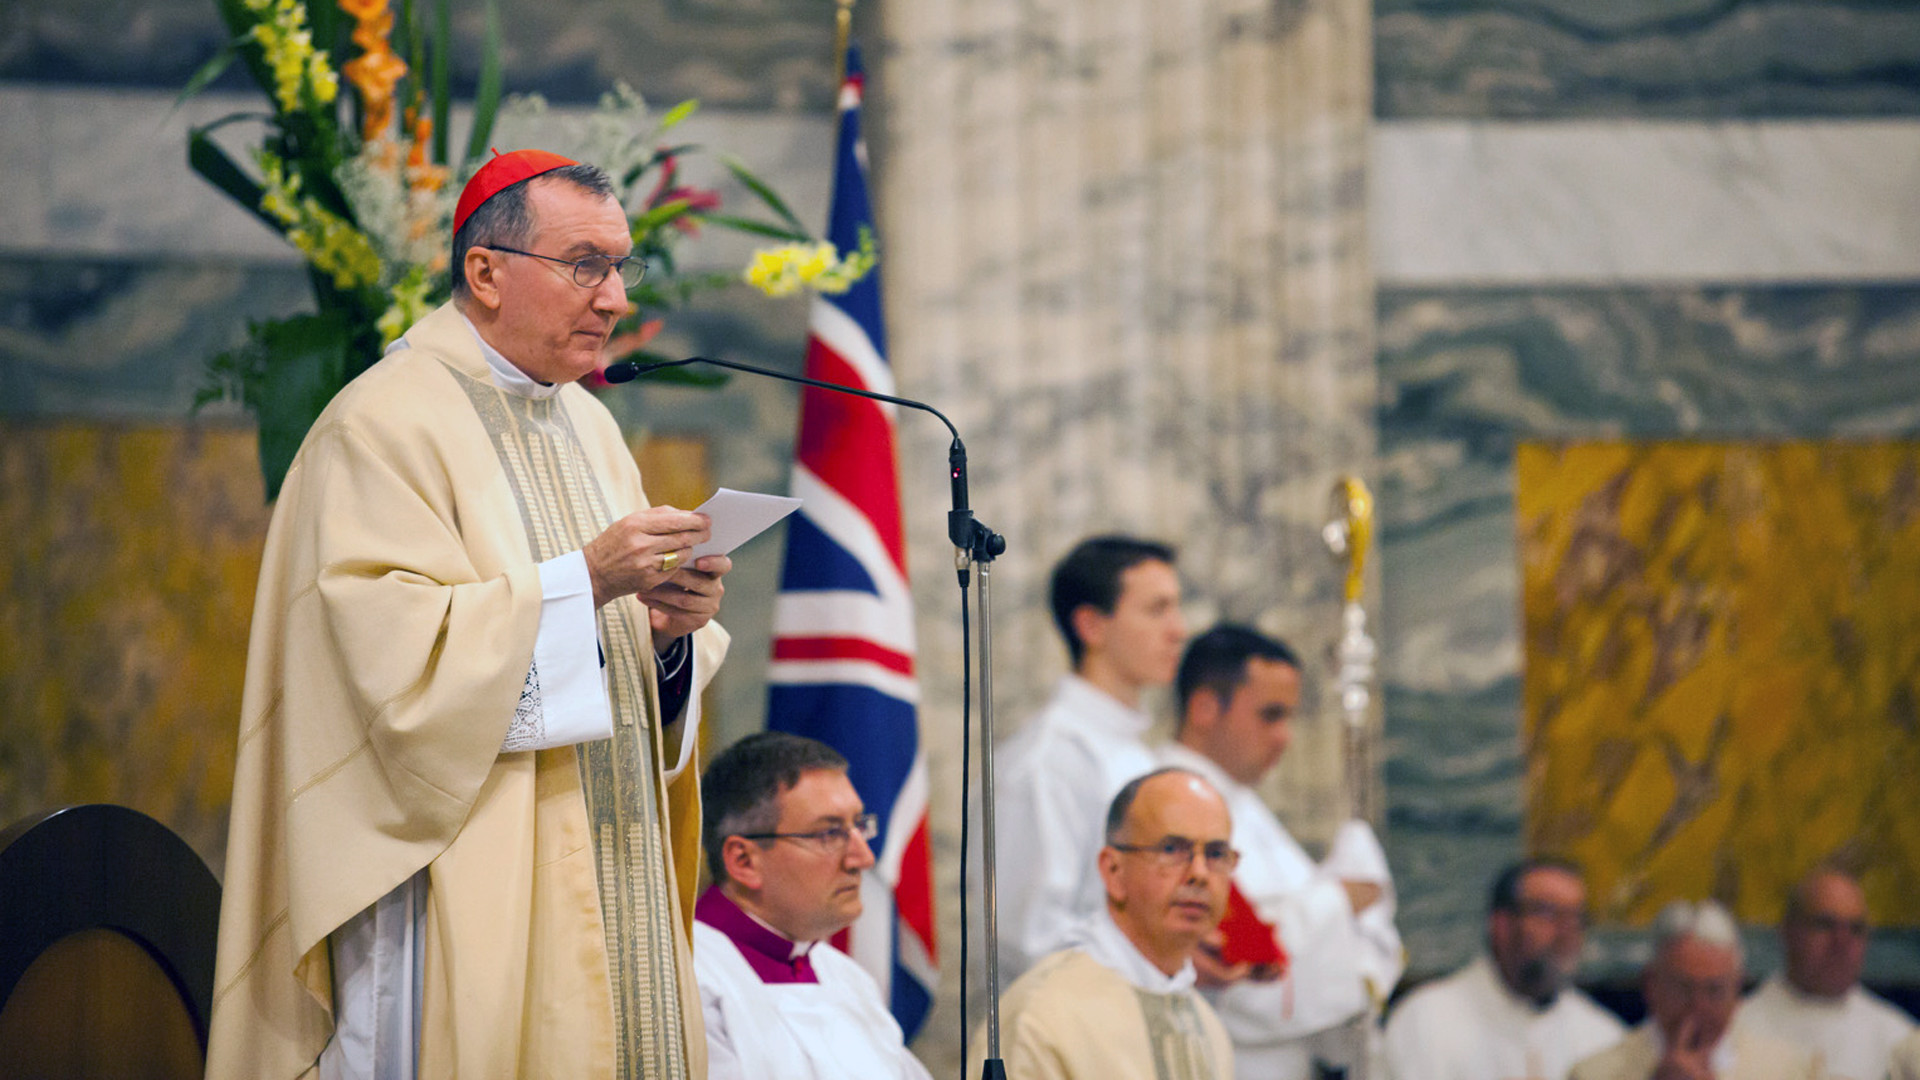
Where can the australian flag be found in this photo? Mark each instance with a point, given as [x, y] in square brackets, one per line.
[843, 648]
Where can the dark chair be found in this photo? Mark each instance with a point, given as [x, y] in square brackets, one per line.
[107, 929]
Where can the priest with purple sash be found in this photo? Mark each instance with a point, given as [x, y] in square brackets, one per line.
[786, 838]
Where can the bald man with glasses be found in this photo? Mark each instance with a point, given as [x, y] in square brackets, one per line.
[1118, 1003]
[787, 840]
[1817, 1003]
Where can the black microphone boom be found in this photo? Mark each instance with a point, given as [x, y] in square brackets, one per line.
[968, 534]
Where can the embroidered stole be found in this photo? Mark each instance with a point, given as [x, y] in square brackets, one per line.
[562, 507]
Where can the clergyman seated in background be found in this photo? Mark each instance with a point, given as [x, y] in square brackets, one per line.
[1818, 1003]
[1513, 1013]
[1119, 1003]
[1238, 690]
[786, 836]
[1905, 1059]
[1692, 988]
[1116, 601]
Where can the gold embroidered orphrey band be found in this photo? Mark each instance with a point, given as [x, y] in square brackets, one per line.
[562, 507]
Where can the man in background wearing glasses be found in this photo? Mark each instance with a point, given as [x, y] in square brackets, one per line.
[1313, 1009]
[1118, 1003]
[463, 838]
[786, 838]
[1817, 1003]
[1692, 987]
[1514, 1013]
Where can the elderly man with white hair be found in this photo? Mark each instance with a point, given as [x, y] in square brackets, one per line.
[1692, 988]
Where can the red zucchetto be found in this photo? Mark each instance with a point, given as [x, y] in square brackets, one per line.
[504, 171]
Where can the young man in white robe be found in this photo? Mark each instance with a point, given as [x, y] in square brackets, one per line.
[1116, 602]
[786, 836]
[463, 838]
[1692, 988]
[1512, 1014]
[1817, 1003]
[1118, 1003]
[1237, 692]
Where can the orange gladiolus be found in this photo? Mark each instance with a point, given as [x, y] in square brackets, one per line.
[377, 70]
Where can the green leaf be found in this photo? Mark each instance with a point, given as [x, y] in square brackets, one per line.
[214, 166]
[678, 113]
[658, 156]
[758, 228]
[328, 25]
[303, 364]
[767, 194]
[209, 71]
[659, 216]
[442, 79]
[486, 96]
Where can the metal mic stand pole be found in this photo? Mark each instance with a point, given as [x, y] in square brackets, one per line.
[981, 545]
[975, 546]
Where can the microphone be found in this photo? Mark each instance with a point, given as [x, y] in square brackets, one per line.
[970, 537]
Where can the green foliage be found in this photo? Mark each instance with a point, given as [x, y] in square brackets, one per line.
[358, 203]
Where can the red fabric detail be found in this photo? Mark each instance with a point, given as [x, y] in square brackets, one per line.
[1249, 938]
[841, 436]
[841, 648]
[500, 173]
[913, 896]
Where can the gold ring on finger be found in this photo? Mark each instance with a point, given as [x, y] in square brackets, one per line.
[670, 562]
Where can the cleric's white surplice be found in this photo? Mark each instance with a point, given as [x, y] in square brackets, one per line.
[1469, 1026]
[1337, 963]
[1055, 777]
[1854, 1036]
[820, 1019]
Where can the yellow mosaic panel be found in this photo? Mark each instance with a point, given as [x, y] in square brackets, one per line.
[128, 558]
[1723, 668]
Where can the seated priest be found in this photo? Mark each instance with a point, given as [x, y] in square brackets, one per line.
[786, 837]
[1817, 1003]
[1692, 987]
[1904, 1063]
[1326, 948]
[1514, 1012]
[1118, 1002]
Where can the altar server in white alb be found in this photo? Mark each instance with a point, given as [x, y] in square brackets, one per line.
[1238, 691]
[1817, 1003]
[786, 836]
[1692, 987]
[1116, 601]
[1512, 1014]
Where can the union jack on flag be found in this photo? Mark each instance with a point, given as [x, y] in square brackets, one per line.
[843, 649]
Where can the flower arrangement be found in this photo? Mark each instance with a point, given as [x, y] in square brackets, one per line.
[363, 184]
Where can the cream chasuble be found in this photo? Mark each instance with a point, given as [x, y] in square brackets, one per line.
[398, 605]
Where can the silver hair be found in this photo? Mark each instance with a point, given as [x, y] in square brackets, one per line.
[1702, 920]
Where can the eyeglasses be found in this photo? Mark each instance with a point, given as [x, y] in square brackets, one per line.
[1833, 924]
[1176, 853]
[590, 270]
[1551, 912]
[834, 839]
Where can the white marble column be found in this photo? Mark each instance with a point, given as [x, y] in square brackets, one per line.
[1127, 249]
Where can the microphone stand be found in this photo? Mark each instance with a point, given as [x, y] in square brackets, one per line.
[975, 546]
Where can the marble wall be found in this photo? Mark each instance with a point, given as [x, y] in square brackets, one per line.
[1607, 220]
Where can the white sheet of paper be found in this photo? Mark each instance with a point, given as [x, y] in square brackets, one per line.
[739, 516]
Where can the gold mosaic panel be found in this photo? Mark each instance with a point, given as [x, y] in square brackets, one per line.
[128, 558]
[1723, 668]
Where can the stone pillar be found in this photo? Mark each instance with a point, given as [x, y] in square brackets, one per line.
[1126, 250]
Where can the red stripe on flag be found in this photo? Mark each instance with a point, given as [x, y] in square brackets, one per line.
[848, 442]
[913, 896]
[841, 648]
